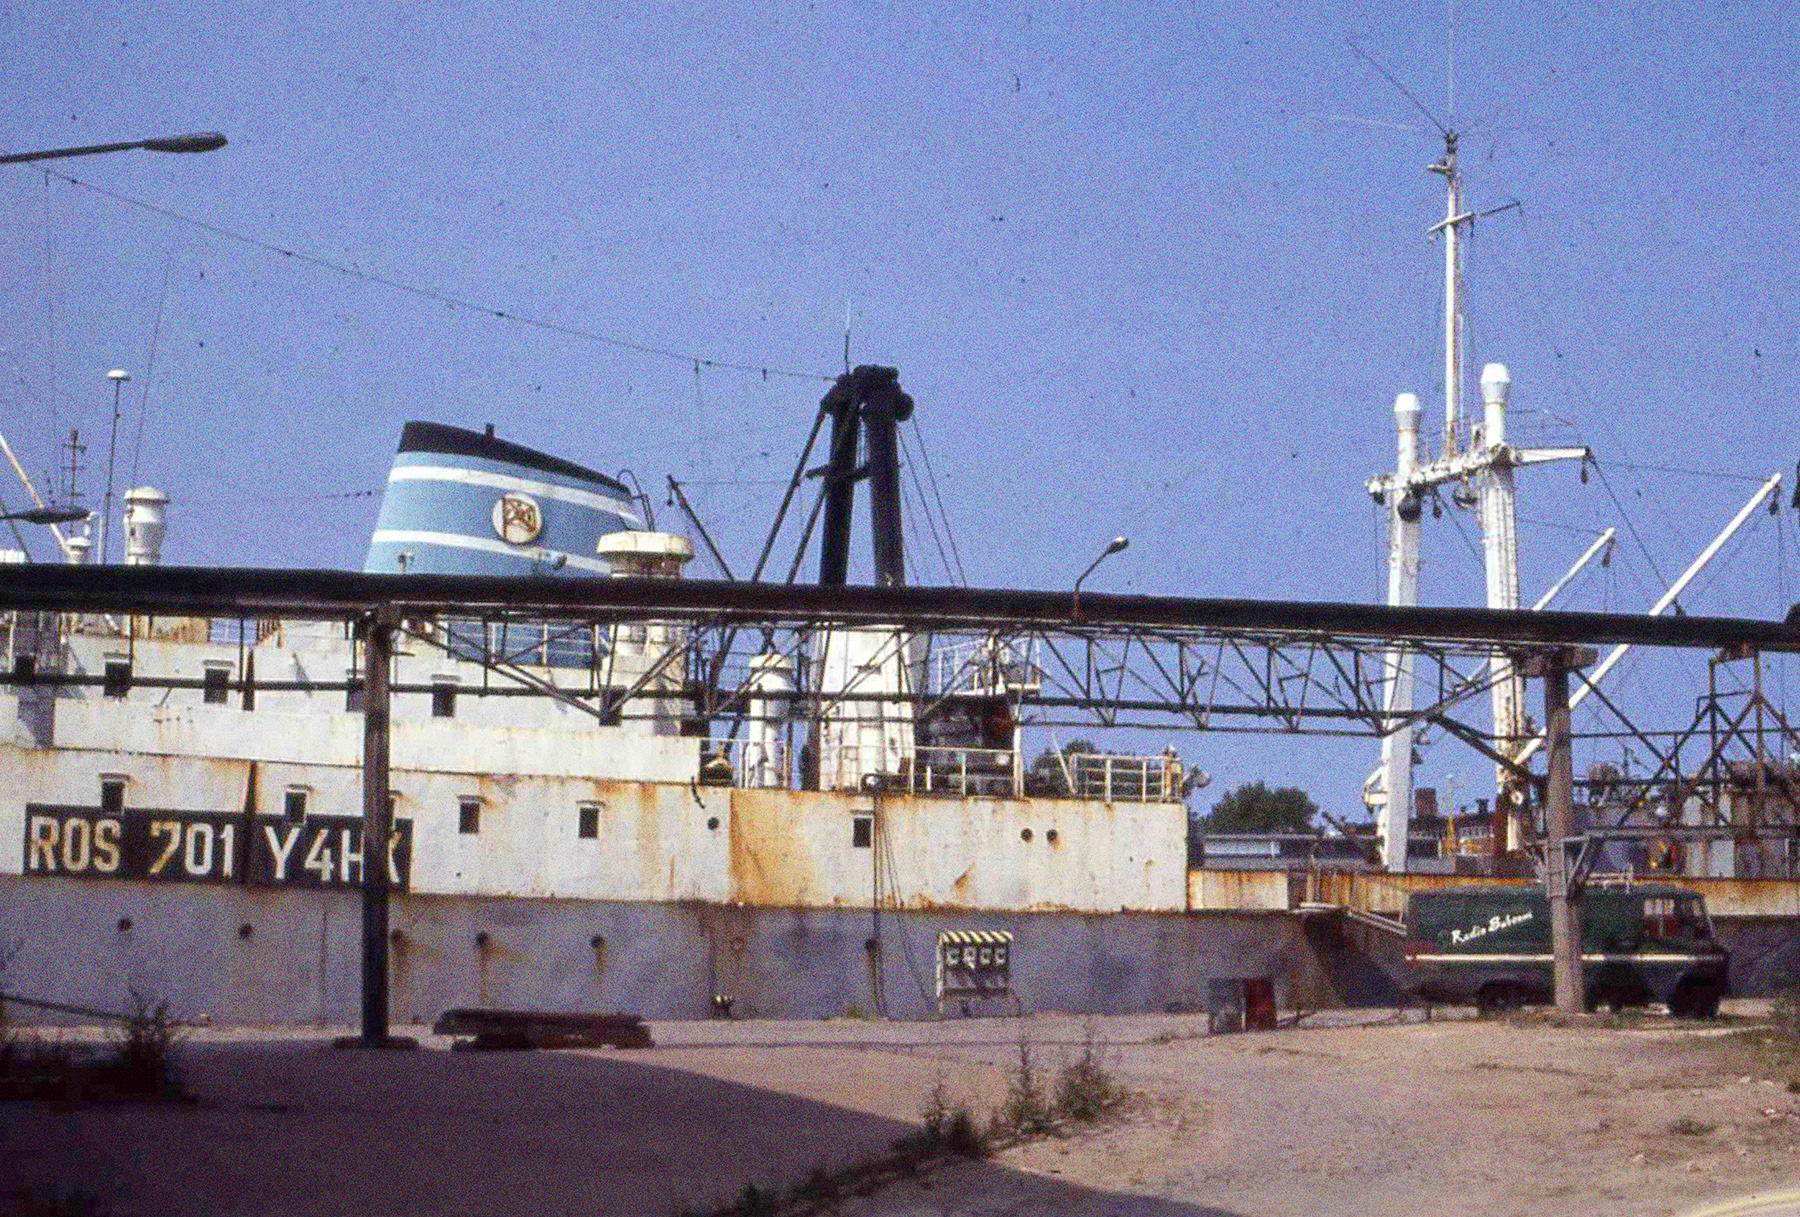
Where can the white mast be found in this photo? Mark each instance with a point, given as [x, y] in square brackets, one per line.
[1403, 589]
[1489, 460]
[1454, 218]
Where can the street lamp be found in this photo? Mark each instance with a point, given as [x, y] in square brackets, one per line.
[48, 515]
[200, 141]
[118, 376]
[1116, 545]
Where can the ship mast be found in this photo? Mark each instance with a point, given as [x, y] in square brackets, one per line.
[1488, 461]
[1454, 219]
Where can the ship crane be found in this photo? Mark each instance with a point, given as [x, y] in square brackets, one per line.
[1487, 461]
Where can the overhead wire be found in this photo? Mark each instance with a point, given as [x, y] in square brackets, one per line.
[284, 498]
[439, 297]
[50, 303]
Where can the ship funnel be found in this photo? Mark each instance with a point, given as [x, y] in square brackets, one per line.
[467, 503]
[146, 523]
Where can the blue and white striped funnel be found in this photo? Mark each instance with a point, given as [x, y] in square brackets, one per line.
[464, 503]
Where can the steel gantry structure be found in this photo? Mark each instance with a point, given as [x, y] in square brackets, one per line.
[1110, 661]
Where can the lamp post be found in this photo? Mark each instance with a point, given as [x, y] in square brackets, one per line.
[197, 141]
[200, 141]
[118, 376]
[1116, 545]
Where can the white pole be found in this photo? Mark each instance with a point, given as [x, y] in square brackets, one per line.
[118, 376]
[1499, 536]
[1656, 610]
[1452, 294]
[1605, 540]
[1404, 510]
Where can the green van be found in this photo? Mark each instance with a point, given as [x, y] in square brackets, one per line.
[1640, 943]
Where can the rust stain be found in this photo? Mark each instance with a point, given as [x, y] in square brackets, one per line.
[1237, 889]
[770, 833]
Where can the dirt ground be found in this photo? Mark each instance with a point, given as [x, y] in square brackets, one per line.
[1342, 1114]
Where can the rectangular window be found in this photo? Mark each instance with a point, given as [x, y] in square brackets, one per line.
[353, 692]
[117, 681]
[588, 821]
[215, 686]
[862, 831]
[468, 816]
[112, 795]
[293, 806]
[443, 698]
[25, 668]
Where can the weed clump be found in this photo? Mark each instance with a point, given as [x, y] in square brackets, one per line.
[1027, 1110]
[1085, 1090]
[1082, 1091]
[145, 1062]
[950, 1129]
[141, 1064]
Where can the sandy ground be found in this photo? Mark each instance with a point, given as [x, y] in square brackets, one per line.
[1339, 1115]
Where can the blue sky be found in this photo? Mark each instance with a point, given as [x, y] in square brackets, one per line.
[1135, 278]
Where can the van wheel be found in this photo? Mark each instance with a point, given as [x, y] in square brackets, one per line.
[1694, 999]
[1496, 999]
[1612, 999]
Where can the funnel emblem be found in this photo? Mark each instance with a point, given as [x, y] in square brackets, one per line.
[517, 519]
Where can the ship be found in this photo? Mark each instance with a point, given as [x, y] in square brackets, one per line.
[645, 816]
[573, 831]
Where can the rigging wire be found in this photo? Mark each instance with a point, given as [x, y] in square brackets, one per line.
[137, 446]
[439, 297]
[1474, 550]
[912, 472]
[1582, 529]
[961, 576]
[283, 498]
[1534, 263]
[1630, 525]
[1393, 80]
[1700, 473]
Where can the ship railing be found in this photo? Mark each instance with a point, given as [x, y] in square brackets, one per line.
[1126, 779]
[938, 769]
[986, 666]
[527, 643]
